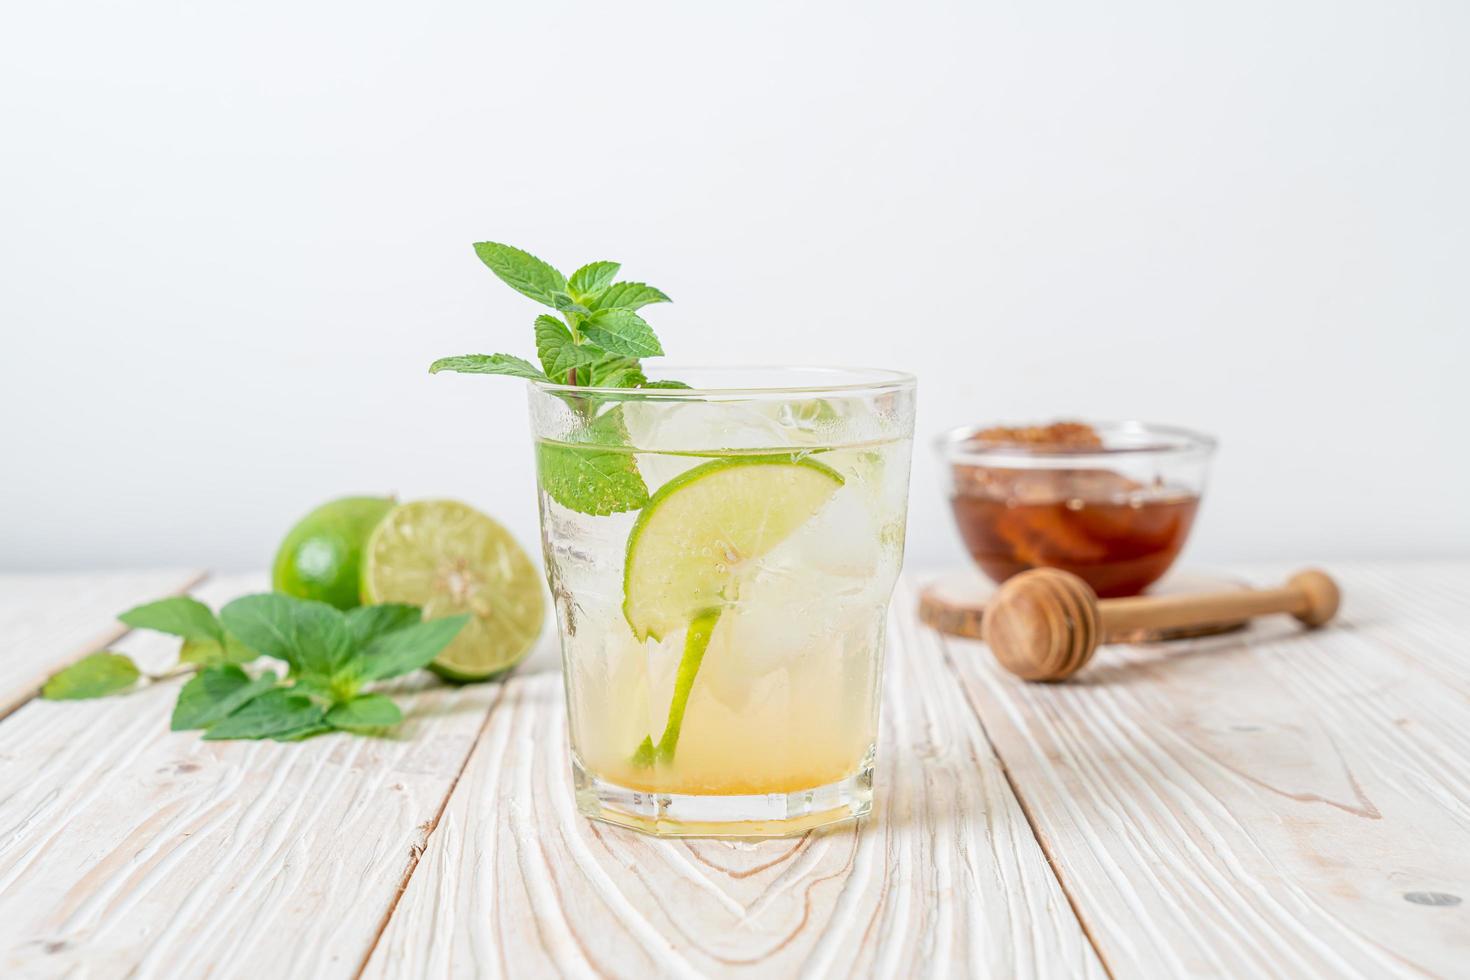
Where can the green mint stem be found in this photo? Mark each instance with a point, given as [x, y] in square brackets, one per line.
[178, 670]
[696, 641]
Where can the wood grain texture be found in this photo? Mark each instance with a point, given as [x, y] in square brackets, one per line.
[944, 878]
[1273, 803]
[47, 621]
[127, 849]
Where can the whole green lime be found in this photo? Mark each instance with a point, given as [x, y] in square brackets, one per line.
[321, 557]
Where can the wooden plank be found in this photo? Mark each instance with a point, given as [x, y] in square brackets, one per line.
[127, 849]
[48, 621]
[1276, 803]
[945, 877]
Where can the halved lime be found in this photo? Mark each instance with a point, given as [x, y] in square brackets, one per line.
[696, 533]
[448, 558]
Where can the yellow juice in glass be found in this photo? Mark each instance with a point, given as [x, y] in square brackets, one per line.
[722, 644]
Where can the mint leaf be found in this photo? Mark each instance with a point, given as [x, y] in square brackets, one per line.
[304, 732]
[92, 677]
[515, 367]
[522, 271]
[628, 296]
[205, 640]
[179, 615]
[323, 641]
[566, 303]
[408, 649]
[630, 376]
[264, 622]
[209, 652]
[590, 480]
[214, 693]
[311, 636]
[663, 384]
[621, 331]
[276, 713]
[558, 352]
[601, 324]
[324, 649]
[592, 278]
[365, 713]
[367, 623]
[614, 371]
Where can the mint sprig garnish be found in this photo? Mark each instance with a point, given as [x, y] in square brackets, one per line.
[597, 337]
[330, 656]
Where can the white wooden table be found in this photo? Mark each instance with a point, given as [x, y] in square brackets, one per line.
[1274, 803]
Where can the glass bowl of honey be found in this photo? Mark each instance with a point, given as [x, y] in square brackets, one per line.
[1111, 502]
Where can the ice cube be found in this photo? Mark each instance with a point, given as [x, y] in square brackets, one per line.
[843, 539]
[713, 427]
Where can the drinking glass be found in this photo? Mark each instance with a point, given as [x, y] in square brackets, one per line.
[721, 559]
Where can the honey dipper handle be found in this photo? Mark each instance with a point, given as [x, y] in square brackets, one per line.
[1311, 596]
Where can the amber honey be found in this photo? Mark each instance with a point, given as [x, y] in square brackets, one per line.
[1119, 547]
[1048, 500]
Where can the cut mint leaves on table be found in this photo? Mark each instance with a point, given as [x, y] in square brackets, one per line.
[213, 694]
[179, 615]
[367, 623]
[330, 655]
[402, 650]
[92, 677]
[205, 640]
[365, 713]
[279, 713]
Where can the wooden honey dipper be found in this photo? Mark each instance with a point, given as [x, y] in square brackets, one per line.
[1043, 625]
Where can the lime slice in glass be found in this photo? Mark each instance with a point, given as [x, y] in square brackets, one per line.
[694, 536]
[448, 558]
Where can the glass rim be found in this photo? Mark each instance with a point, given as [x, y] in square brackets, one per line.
[873, 380]
[1164, 440]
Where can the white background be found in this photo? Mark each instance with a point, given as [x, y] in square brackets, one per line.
[234, 234]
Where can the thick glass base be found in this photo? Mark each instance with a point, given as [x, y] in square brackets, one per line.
[764, 815]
